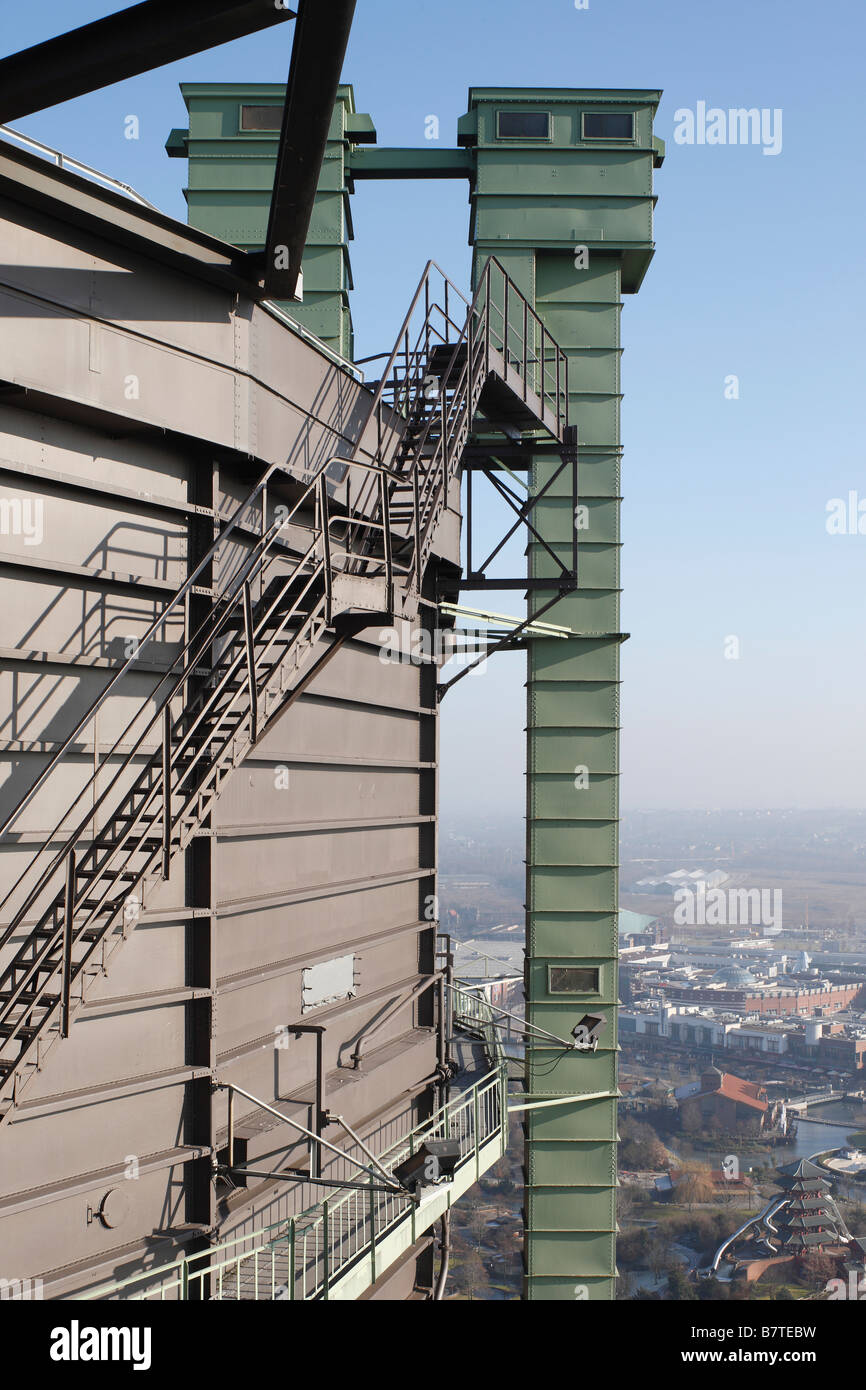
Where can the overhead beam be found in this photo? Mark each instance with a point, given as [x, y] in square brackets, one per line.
[124, 44]
[411, 164]
[321, 37]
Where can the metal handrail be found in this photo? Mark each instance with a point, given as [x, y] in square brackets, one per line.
[65, 161]
[476, 1116]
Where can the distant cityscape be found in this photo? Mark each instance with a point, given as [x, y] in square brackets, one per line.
[742, 1025]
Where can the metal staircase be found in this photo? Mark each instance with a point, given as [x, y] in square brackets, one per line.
[285, 584]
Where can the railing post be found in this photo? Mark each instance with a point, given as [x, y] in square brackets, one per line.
[291, 1272]
[503, 1103]
[372, 1234]
[414, 1207]
[189, 663]
[385, 502]
[564, 391]
[184, 1280]
[487, 321]
[264, 532]
[251, 662]
[476, 1128]
[326, 1251]
[442, 1028]
[525, 348]
[326, 543]
[505, 327]
[443, 427]
[68, 914]
[166, 791]
[231, 1126]
[416, 508]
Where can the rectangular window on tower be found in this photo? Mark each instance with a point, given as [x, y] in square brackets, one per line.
[608, 125]
[572, 979]
[261, 118]
[523, 125]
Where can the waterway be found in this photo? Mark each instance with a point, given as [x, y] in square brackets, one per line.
[811, 1138]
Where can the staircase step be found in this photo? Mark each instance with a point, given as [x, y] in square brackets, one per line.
[30, 997]
[118, 875]
[90, 934]
[440, 358]
[26, 1034]
[131, 818]
[147, 845]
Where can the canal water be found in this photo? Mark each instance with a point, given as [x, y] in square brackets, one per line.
[811, 1138]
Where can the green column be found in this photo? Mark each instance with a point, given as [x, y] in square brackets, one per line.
[566, 204]
[231, 145]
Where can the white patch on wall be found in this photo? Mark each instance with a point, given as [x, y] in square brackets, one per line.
[328, 981]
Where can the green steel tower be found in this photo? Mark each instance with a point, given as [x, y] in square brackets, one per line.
[231, 144]
[563, 197]
[561, 189]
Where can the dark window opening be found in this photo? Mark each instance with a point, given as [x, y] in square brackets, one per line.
[606, 125]
[523, 125]
[261, 117]
[572, 979]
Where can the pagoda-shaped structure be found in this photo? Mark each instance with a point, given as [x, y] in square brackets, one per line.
[809, 1218]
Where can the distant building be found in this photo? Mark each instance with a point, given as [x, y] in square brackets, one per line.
[844, 1053]
[697, 879]
[810, 1219]
[735, 1104]
[636, 928]
[773, 999]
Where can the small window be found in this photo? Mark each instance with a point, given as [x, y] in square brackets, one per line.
[606, 125]
[261, 117]
[572, 979]
[523, 125]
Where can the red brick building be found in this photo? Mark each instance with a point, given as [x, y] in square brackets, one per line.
[733, 1103]
[846, 1054]
[775, 1003]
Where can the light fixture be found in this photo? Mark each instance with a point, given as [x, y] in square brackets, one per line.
[587, 1032]
[434, 1163]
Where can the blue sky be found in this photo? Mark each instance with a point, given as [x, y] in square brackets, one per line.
[758, 273]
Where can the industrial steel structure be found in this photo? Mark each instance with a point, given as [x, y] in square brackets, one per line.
[561, 191]
[227, 1023]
